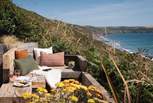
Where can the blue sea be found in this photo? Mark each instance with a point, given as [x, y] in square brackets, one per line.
[131, 42]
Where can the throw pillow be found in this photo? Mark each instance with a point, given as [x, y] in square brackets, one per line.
[50, 60]
[38, 50]
[25, 65]
[21, 54]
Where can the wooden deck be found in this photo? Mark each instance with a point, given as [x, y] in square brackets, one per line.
[11, 100]
[84, 78]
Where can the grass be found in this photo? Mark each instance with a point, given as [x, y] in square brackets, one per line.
[7, 40]
[10, 41]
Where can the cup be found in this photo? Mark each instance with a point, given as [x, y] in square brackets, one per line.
[17, 73]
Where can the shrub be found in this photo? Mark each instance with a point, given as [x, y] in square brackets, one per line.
[67, 91]
[9, 40]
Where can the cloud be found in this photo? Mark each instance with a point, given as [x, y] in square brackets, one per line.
[122, 13]
[110, 8]
[105, 12]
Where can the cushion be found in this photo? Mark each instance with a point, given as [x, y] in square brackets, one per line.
[38, 50]
[25, 65]
[53, 77]
[51, 60]
[21, 54]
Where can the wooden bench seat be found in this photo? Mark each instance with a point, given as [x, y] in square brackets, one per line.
[9, 56]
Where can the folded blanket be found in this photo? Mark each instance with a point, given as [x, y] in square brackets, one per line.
[52, 76]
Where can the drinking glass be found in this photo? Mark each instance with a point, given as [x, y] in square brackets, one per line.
[17, 72]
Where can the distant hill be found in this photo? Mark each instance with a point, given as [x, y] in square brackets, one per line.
[120, 29]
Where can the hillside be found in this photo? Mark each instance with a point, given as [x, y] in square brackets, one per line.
[74, 39]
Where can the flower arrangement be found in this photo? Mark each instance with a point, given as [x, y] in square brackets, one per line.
[67, 91]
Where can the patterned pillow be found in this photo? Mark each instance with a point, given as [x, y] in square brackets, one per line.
[51, 60]
[21, 54]
[38, 50]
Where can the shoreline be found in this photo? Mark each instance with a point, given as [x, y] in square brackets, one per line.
[117, 46]
[114, 44]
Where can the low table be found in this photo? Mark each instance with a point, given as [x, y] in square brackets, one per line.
[8, 90]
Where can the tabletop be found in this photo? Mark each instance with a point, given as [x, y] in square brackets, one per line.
[9, 90]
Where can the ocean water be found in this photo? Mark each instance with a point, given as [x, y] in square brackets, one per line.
[131, 41]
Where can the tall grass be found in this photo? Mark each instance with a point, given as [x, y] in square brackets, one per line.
[10, 40]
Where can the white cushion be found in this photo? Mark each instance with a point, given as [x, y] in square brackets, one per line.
[38, 50]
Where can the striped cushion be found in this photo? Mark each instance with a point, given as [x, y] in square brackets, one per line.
[50, 60]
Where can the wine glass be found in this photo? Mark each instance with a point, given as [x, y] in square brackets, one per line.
[17, 72]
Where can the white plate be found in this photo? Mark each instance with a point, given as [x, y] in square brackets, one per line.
[23, 78]
[18, 84]
[22, 81]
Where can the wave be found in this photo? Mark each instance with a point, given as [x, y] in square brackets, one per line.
[115, 44]
[104, 39]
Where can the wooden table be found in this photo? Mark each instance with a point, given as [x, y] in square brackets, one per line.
[8, 90]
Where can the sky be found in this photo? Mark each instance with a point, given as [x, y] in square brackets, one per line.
[94, 12]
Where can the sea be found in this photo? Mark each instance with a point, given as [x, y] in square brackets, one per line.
[131, 42]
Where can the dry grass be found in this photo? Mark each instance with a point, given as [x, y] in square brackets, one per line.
[110, 84]
[127, 92]
[10, 40]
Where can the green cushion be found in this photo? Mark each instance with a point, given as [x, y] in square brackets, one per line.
[25, 65]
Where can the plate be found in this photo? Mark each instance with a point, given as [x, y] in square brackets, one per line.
[22, 81]
[23, 78]
[21, 84]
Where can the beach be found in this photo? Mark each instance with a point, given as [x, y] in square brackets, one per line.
[131, 42]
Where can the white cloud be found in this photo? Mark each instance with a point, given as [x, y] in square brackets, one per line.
[123, 13]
